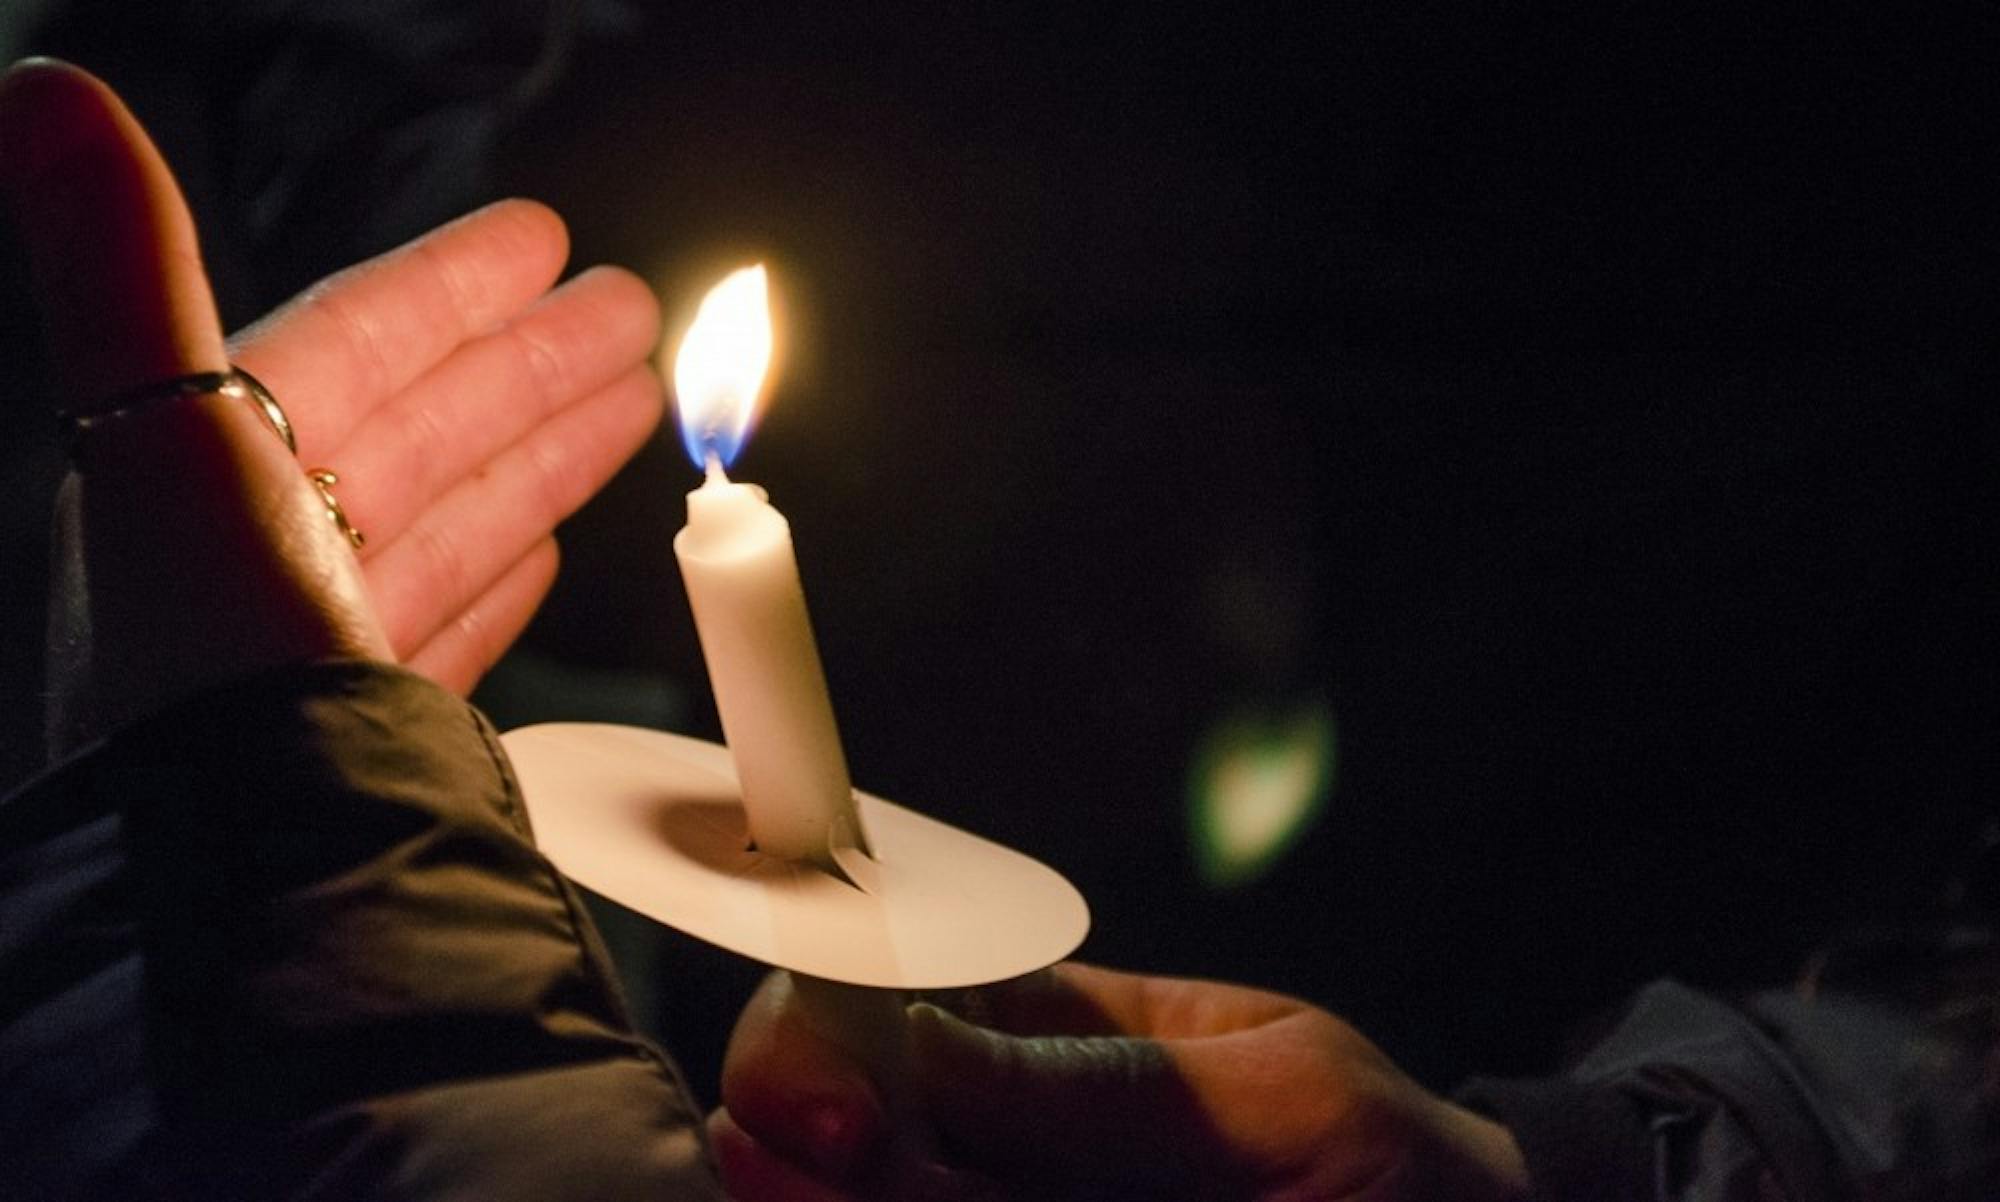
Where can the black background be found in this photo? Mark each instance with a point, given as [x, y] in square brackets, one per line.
[1594, 409]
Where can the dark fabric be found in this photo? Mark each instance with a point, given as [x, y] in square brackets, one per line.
[292, 940]
[295, 941]
[1808, 1096]
[1581, 1141]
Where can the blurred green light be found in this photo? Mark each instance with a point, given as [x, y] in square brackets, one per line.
[1259, 779]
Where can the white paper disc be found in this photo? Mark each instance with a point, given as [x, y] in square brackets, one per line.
[652, 821]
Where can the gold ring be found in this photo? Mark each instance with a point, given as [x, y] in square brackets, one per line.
[324, 480]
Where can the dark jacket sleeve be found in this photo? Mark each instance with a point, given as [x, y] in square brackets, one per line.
[1812, 1097]
[293, 940]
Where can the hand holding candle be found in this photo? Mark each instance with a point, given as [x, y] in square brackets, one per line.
[659, 822]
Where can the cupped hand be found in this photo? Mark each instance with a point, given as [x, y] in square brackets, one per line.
[187, 550]
[464, 407]
[1096, 1084]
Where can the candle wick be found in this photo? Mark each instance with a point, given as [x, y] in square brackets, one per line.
[715, 472]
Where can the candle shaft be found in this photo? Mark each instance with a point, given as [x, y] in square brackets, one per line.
[750, 612]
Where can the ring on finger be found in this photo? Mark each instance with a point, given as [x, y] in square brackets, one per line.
[324, 480]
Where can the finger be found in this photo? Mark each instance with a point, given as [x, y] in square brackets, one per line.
[492, 392]
[463, 542]
[118, 274]
[471, 643]
[1047, 1002]
[1073, 998]
[751, 1170]
[353, 341]
[798, 1092]
[1063, 1108]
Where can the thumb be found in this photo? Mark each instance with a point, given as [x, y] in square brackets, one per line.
[118, 275]
[1081, 1109]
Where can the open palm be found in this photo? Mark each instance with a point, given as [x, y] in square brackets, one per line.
[466, 409]
[464, 406]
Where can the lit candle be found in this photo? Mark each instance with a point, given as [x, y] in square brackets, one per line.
[742, 581]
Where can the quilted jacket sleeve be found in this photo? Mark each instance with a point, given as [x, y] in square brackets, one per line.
[293, 940]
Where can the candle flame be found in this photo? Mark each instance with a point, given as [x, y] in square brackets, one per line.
[719, 371]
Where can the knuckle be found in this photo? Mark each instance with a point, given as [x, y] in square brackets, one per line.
[361, 338]
[545, 368]
[558, 484]
[445, 560]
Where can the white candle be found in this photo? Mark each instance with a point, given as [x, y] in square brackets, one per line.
[749, 607]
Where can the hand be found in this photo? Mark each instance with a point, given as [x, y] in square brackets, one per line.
[1097, 1084]
[465, 412]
